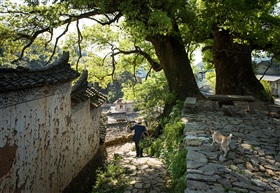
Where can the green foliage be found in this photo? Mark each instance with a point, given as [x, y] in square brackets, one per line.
[109, 51]
[150, 96]
[175, 115]
[267, 94]
[37, 55]
[211, 79]
[115, 88]
[173, 133]
[156, 146]
[168, 147]
[110, 180]
[249, 22]
[178, 167]
[145, 143]
[19, 26]
[179, 184]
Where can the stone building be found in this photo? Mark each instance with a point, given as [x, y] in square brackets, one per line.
[121, 105]
[49, 130]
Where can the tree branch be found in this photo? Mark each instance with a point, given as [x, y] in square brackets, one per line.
[266, 69]
[56, 41]
[113, 63]
[156, 66]
[148, 73]
[109, 21]
[134, 69]
[50, 39]
[80, 38]
[31, 38]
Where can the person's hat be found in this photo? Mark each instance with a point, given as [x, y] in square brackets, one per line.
[139, 120]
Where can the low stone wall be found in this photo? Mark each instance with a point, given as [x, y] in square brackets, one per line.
[117, 140]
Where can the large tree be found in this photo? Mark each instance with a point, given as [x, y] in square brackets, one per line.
[159, 22]
[170, 25]
[233, 65]
[237, 28]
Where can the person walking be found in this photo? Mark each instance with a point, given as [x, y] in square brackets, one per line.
[138, 132]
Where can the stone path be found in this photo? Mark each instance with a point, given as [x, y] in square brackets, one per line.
[148, 174]
[253, 163]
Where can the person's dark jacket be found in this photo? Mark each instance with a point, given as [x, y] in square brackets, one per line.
[138, 130]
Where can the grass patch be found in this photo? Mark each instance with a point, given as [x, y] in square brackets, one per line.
[111, 179]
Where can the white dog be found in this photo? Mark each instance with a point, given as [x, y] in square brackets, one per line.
[224, 141]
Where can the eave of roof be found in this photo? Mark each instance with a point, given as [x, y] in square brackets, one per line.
[25, 78]
[83, 90]
[269, 77]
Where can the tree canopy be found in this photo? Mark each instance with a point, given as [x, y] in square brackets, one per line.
[159, 35]
[237, 29]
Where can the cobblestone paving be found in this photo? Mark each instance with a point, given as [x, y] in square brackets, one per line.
[253, 163]
[148, 174]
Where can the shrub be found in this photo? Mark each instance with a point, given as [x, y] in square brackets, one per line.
[109, 180]
[168, 147]
[267, 94]
[178, 166]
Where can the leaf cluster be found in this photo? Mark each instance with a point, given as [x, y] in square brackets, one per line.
[169, 147]
[108, 51]
[149, 96]
[22, 25]
[251, 22]
[109, 180]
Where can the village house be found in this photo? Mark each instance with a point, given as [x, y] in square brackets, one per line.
[50, 132]
[271, 73]
[121, 105]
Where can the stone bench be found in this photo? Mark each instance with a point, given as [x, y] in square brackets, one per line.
[189, 103]
[226, 98]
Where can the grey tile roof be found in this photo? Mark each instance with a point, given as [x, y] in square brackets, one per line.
[25, 78]
[83, 90]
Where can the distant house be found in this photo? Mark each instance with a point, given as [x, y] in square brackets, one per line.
[270, 73]
[123, 106]
[264, 66]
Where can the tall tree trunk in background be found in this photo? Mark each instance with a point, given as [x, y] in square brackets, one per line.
[233, 65]
[176, 65]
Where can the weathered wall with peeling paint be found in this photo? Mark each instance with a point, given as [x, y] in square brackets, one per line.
[44, 141]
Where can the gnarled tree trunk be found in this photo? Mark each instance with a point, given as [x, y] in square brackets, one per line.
[233, 65]
[176, 65]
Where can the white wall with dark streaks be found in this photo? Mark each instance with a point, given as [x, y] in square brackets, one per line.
[45, 142]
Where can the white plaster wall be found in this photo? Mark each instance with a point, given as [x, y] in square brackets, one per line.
[53, 144]
[120, 107]
[85, 129]
[129, 107]
[124, 107]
